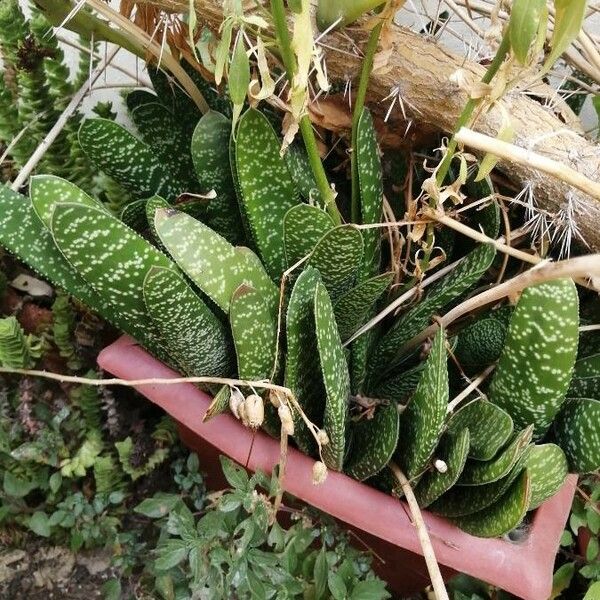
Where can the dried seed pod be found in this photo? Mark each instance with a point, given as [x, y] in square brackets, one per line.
[285, 415]
[254, 409]
[236, 399]
[322, 437]
[319, 473]
[275, 398]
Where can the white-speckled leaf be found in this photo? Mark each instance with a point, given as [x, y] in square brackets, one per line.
[502, 516]
[577, 432]
[422, 421]
[210, 261]
[401, 386]
[479, 472]
[335, 377]
[463, 277]
[535, 368]
[466, 500]
[46, 191]
[371, 189]
[113, 259]
[489, 425]
[374, 443]
[586, 378]
[303, 227]
[192, 334]
[453, 450]
[302, 369]
[338, 256]
[254, 328]
[210, 153]
[547, 466]
[298, 165]
[354, 308]
[126, 159]
[266, 187]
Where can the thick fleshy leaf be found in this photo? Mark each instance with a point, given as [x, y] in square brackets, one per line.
[210, 261]
[453, 450]
[163, 132]
[46, 191]
[463, 277]
[266, 187]
[547, 466]
[335, 377]
[502, 516]
[192, 334]
[298, 164]
[534, 371]
[126, 159]
[254, 328]
[152, 205]
[479, 472]
[466, 500]
[359, 359]
[577, 431]
[371, 189]
[337, 257]
[422, 421]
[210, 153]
[402, 386]
[481, 343]
[303, 226]
[490, 427]
[113, 259]
[302, 370]
[374, 442]
[355, 306]
[585, 382]
[134, 215]
[138, 97]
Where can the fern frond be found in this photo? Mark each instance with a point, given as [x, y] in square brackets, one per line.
[87, 399]
[63, 327]
[14, 346]
[108, 475]
[13, 30]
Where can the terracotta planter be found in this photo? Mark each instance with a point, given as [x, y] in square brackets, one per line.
[380, 521]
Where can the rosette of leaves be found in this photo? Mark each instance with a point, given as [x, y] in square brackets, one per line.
[283, 304]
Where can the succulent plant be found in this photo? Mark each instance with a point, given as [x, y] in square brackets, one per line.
[259, 284]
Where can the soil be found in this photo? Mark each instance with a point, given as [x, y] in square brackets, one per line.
[42, 572]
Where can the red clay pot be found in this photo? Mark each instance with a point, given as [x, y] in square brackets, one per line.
[380, 521]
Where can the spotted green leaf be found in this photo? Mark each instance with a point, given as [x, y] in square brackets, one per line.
[112, 259]
[219, 404]
[138, 97]
[502, 516]
[266, 188]
[210, 153]
[468, 272]
[298, 164]
[453, 450]
[134, 215]
[466, 500]
[422, 421]
[355, 306]
[577, 432]
[586, 378]
[374, 442]
[163, 132]
[547, 466]
[490, 427]
[479, 472]
[254, 328]
[46, 191]
[210, 261]
[335, 377]
[359, 359]
[337, 257]
[303, 226]
[23, 234]
[534, 371]
[401, 386]
[371, 189]
[191, 332]
[302, 370]
[151, 206]
[126, 159]
[481, 343]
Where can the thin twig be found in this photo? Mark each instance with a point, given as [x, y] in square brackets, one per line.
[35, 158]
[470, 388]
[437, 581]
[523, 156]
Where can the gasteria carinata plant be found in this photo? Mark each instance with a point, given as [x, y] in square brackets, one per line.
[234, 262]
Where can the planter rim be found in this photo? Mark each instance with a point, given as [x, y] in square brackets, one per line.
[522, 568]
